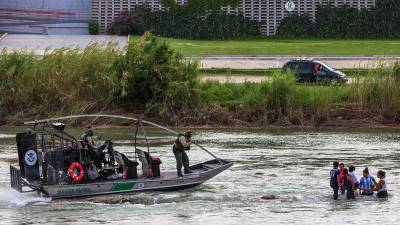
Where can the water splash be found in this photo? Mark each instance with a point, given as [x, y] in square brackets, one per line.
[9, 196]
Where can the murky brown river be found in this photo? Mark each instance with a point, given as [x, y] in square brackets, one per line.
[293, 166]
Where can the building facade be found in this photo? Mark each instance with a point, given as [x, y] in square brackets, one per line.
[268, 12]
[45, 16]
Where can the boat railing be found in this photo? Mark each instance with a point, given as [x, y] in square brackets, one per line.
[15, 175]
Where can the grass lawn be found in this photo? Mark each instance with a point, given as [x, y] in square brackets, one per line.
[298, 47]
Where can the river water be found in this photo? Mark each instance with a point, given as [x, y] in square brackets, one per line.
[291, 165]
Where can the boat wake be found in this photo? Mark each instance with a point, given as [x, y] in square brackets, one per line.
[5, 136]
[9, 196]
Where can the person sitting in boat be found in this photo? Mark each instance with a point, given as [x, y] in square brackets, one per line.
[367, 183]
[181, 145]
[381, 187]
[87, 138]
[95, 152]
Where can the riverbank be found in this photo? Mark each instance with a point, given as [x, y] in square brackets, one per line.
[334, 123]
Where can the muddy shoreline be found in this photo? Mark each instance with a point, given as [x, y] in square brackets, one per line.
[331, 125]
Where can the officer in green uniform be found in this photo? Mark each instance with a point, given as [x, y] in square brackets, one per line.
[87, 138]
[95, 152]
[182, 144]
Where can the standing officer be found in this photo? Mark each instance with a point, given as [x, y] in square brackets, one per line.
[182, 144]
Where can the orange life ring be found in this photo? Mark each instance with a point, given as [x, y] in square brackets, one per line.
[71, 171]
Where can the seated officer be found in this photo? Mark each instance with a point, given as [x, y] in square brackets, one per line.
[95, 152]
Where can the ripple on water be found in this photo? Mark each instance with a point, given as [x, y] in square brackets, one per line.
[6, 136]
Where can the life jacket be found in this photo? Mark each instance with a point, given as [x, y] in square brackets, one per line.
[178, 145]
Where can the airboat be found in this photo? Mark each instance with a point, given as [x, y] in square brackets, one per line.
[55, 164]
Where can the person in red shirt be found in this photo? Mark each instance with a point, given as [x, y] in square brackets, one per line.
[341, 178]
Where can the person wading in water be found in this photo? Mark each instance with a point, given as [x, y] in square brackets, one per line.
[334, 179]
[381, 187]
[182, 144]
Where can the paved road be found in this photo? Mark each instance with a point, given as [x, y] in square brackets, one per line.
[242, 79]
[40, 43]
[261, 62]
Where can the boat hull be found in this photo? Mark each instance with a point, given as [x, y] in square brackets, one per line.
[169, 181]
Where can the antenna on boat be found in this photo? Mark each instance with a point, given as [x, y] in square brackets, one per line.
[136, 131]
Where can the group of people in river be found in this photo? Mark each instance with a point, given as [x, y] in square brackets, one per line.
[345, 180]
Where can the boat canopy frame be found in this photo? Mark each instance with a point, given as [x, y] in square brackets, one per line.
[139, 123]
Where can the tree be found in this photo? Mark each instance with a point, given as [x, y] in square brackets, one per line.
[198, 7]
[129, 22]
[295, 26]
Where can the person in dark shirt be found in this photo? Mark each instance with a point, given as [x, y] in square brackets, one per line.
[334, 179]
[348, 184]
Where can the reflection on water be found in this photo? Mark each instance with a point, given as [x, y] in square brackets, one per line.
[291, 168]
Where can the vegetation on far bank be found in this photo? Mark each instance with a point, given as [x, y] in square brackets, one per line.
[150, 78]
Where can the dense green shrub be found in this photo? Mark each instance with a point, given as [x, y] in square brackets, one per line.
[198, 7]
[396, 71]
[336, 22]
[378, 93]
[159, 78]
[181, 23]
[381, 21]
[215, 25]
[296, 26]
[93, 27]
[149, 77]
[130, 22]
[61, 81]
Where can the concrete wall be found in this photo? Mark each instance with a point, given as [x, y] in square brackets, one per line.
[45, 16]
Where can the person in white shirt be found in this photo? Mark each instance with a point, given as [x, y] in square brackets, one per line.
[352, 172]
